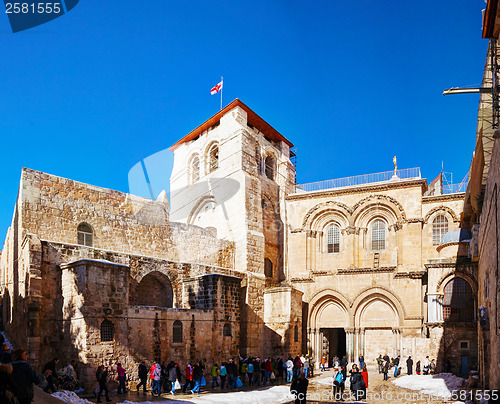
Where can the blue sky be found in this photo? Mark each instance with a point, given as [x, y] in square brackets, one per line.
[351, 84]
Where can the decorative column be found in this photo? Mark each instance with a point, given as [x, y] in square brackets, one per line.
[349, 334]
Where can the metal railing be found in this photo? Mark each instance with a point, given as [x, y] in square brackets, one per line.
[404, 174]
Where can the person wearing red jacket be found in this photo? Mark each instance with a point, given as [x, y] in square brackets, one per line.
[189, 378]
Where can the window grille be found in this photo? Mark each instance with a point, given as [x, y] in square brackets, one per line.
[378, 235]
[270, 167]
[333, 239]
[177, 331]
[213, 158]
[458, 303]
[107, 331]
[85, 235]
[226, 331]
[439, 229]
[268, 268]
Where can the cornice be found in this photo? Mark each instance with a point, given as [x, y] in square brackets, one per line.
[356, 271]
[410, 274]
[358, 189]
[447, 197]
[302, 280]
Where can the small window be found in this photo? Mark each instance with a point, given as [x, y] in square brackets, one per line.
[270, 167]
[213, 158]
[378, 235]
[226, 331]
[333, 239]
[107, 331]
[268, 268]
[464, 344]
[296, 333]
[85, 235]
[194, 169]
[439, 229]
[177, 331]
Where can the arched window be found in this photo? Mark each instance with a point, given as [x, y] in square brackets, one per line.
[85, 235]
[194, 169]
[268, 268]
[107, 331]
[213, 158]
[270, 166]
[296, 333]
[378, 235]
[177, 331]
[439, 229]
[458, 303]
[333, 239]
[226, 331]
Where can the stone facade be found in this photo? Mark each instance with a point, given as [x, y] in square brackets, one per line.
[243, 261]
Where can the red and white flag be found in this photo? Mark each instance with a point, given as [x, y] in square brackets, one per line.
[216, 88]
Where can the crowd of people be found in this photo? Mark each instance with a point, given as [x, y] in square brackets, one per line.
[427, 367]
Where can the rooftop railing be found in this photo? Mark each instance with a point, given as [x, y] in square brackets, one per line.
[404, 174]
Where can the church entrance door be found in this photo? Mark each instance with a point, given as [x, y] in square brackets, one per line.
[334, 343]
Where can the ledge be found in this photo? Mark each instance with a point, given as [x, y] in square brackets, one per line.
[356, 271]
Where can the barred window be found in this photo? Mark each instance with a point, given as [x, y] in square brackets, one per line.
[177, 331]
[268, 268]
[194, 169]
[378, 235]
[333, 239]
[226, 331]
[85, 235]
[107, 331]
[213, 158]
[458, 303]
[270, 167]
[439, 229]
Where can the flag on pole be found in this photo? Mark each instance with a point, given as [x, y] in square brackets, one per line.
[216, 88]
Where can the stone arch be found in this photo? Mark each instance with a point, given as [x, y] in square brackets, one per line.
[314, 215]
[203, 202]
[448, 277]
[380, 294]
[155, 289]
[331, 306]
[444, 210]
[390, 207]
[212, 157]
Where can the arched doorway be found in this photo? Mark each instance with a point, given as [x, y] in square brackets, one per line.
[328, 321]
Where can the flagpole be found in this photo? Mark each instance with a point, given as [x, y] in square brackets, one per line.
[222, 88]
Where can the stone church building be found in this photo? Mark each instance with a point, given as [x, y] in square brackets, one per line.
[241, 261]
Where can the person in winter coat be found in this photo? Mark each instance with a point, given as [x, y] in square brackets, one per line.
[396, 365]
[385, 369]
[427, 364]
[157, 380]
[172, 377]
[432, 367]
[417, 368]
[215, 373]
[256, 371]
[337, 379]
[298, 389]
[409, 365]
[122, 376]
[297, 365]
[189, 378]
[197, 375]
[250, 371]
[152, 375]
[102, 378]
[142, 373]
[53, 376]
[23, 376]
[361, 361]
[223, 375]
[358, 387]
[364, 374]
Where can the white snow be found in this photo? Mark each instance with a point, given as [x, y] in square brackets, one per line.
[440, 385]
[272, 395]
[70, 397]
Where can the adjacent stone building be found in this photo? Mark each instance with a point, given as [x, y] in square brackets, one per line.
[243, 261]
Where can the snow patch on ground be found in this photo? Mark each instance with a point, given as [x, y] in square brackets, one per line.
[272, 395]
[70, 397]
[326, 381]
[441, 385]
